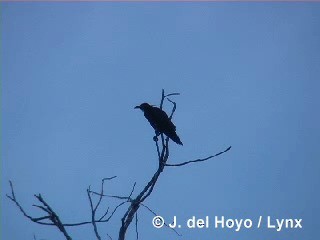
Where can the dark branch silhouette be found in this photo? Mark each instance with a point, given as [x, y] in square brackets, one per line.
[94, 208]
[162, 123]
[52, 216]
[198, 160]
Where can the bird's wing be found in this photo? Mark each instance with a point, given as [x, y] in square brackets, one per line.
[152, 118]
[163, 119]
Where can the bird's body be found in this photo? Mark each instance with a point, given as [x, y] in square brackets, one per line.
[160, 121]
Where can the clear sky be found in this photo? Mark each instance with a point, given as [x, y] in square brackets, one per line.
[248, 74]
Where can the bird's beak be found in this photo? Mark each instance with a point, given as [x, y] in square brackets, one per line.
[137, 107]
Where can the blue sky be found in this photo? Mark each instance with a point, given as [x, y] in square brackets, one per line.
[248, 74]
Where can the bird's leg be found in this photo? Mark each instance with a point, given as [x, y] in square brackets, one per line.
[155, 138]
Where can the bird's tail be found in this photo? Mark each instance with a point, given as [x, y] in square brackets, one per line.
[174, 137]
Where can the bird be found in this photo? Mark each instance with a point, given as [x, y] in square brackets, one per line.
[160, 121]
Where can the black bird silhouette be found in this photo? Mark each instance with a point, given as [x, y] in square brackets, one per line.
[160, 121]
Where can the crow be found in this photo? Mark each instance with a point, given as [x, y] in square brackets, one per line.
[160, 121]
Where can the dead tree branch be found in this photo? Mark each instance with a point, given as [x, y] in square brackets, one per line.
[163, 156]
[51, 216]
[96, 198]
[52, 219]
[198, 160]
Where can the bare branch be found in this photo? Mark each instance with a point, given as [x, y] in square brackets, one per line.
[172, 94]
[147, 190]
[38, 220]
[105, 214]
[113, 212]
[162, 98]
[155, 214]
[95, 208]
[134, 203]
[137, 233]
[197, 160]
[158, 150]
[109, 178]
[109, 236]
[174, 107]
[93, 213]
[142, 204]
[13, 199]
[134, 185]
[53, 217]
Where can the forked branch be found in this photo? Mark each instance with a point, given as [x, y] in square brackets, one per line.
[162, 147]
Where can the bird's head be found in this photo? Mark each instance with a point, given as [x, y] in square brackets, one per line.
[143, 106]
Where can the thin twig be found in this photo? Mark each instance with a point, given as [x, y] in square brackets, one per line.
[48, 217]
[109, 236]
[197, 160]
[158, 150]
[93, 213]
[174, 107]
[162, 98]
[134, 185]
[137, 232]
[172, 94]
[155, 214]
[142, 204]
[105, 214]
[54, 217]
